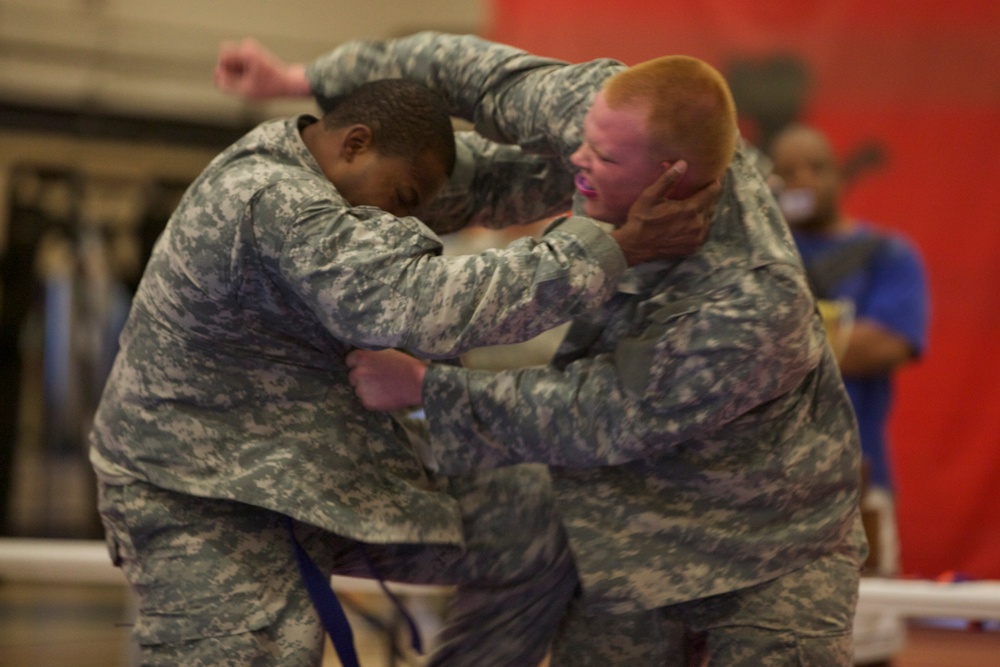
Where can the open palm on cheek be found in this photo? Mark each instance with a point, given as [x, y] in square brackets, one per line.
[387, 379]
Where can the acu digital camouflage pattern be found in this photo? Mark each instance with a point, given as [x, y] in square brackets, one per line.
[195, 607]
[230, 381]
[217, 584]
[699, 432]
[790, 620]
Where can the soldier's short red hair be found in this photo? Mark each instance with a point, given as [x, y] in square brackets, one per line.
[691, 111]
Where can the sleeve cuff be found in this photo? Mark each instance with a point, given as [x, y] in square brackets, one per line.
[598, 242]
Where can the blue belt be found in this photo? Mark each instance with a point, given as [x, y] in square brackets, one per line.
[328, 607]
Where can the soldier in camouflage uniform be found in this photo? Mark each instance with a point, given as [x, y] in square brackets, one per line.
[703, 451]
[228, 411]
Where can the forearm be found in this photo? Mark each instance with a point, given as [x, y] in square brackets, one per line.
[873, 350]
[483, 419]
[387, 288]
[432, 59]
[510, 95]
[580, 417]
[509, 295]
[696, 366]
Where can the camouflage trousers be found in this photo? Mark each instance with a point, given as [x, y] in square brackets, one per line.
[216, 582]
[801, 619]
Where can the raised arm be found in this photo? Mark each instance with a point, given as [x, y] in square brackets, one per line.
[494, 185]
[513, 97]
[510, 95]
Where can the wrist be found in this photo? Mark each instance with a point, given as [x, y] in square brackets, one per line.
[623, 239]
[419, 373]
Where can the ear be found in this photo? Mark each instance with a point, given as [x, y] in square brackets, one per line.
[357, 139]
[684, 186]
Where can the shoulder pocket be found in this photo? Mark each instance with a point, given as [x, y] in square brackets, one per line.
[635, 356]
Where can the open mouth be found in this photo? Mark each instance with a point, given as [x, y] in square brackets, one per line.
[584, 186]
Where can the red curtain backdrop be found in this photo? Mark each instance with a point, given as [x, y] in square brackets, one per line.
[920, 82]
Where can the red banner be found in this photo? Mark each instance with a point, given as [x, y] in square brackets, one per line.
[912, 90]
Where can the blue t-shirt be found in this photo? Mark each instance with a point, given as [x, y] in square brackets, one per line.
[890, 289]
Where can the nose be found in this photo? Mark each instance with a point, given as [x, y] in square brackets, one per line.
[580, 158]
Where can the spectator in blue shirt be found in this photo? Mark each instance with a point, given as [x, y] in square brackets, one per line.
[879, 276]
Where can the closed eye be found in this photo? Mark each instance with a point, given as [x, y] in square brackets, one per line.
[600, 156]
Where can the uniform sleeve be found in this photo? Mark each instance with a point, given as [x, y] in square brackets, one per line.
[496, 185]
[695, 366]
[510, 95]
[375, 280]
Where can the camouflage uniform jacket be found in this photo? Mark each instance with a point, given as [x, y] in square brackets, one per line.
[230, 380]
[698, 432]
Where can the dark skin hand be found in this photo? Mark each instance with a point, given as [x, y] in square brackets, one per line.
[662, 228]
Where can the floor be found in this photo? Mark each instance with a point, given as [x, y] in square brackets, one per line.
[43, 625]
